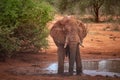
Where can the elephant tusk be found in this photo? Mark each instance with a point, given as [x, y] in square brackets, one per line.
[81, 45]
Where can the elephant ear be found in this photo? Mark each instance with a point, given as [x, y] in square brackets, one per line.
[82, 30]
[58, 33]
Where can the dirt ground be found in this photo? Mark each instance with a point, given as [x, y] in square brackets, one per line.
[99, 44]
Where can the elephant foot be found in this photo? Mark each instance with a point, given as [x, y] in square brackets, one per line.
[60, 72]
[79, 74]
[67, 74]
[71, 73]
[79, 70]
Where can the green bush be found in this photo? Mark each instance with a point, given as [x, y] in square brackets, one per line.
[23, 24]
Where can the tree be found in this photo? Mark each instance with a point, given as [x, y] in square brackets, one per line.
[75, 6]
[96, 5]
[67, 6]
[112, 7]
[106, 7]
[23, 21]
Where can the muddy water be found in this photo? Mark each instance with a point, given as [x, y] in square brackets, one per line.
[94, 67]
[90, 67]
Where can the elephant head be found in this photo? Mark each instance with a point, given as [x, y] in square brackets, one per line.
[67, 34]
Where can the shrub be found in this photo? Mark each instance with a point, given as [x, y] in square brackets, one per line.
[23, 23]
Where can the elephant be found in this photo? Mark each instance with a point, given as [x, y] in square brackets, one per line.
[68, 33]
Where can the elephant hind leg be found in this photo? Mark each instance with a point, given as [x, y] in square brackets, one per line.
[72, 59]
[68, 51]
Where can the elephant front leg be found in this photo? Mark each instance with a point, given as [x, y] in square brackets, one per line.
[78, 61]
[72, 59]
[61, 57]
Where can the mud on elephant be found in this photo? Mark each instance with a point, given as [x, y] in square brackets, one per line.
[68, 33]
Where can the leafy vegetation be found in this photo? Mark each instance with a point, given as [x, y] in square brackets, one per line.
[96, 8]
[23, 24]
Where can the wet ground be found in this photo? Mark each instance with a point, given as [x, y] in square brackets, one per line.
[109, 67]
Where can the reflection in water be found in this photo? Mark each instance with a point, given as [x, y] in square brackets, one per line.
[90, 65]
[103, 67]
[109, 66]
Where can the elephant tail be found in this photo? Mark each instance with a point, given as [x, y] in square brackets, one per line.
[67, 51]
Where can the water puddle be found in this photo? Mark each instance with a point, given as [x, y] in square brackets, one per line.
[109, 67]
